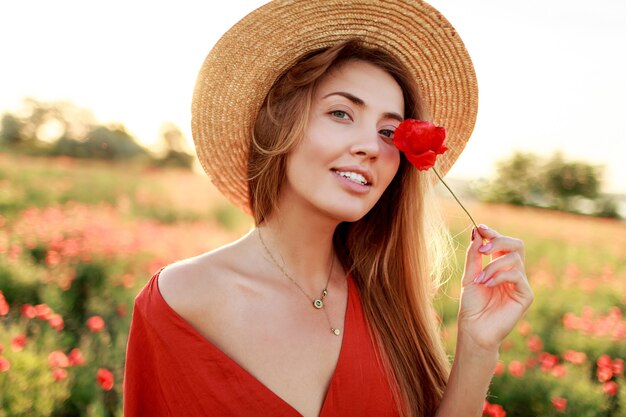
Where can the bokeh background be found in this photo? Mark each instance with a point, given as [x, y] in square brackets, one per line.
[99, 188]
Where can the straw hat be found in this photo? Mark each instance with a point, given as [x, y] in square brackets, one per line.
[242, 66]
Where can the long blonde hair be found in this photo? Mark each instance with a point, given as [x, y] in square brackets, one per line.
[395, 253]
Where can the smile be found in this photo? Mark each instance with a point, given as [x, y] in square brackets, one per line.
[353, 176]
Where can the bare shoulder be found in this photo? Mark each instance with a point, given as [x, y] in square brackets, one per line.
[196, 287]
[184, 285]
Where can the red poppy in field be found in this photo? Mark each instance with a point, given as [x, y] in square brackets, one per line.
[560, 404]
[604, 374]
[577, 358]
[56, 321]
[76, 357]
[4, 306]
[105, 379]
[517, 369]
[18, 343]
[524, 328]
[618, 366]
[493, 410]
[499, 370]
[28, 311]
[95, 324]
[610, 388]
[534, 344]
[58, 359]
[59, 374]
[559, 371]
[548, 361]
[42, 311]
[5, 365]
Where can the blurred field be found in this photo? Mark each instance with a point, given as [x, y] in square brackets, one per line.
[78, 240]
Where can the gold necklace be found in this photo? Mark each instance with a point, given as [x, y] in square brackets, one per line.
[318, 303]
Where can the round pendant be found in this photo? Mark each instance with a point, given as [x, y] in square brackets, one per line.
[318, 304]
[336, 332]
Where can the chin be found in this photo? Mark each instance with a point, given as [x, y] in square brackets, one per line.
[347, 213]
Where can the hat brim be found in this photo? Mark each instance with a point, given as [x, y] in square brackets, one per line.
[244, 64]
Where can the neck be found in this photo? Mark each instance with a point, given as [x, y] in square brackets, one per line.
[303, 248]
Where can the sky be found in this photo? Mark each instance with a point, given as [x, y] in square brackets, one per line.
[551, 73]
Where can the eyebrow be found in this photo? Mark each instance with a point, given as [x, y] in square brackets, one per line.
[357, 101]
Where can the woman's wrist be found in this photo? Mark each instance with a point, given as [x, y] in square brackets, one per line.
[468, 345]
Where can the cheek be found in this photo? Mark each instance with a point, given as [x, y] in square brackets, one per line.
[392, 163]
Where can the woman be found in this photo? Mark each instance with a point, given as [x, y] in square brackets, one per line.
[325, 308]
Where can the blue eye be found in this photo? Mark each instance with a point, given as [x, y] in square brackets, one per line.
[340, 114]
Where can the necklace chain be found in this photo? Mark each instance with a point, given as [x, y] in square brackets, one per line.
[318, 303]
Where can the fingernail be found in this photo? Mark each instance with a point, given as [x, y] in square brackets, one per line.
[482, 226]
[479, 278]
[473, 233]
[485, 248]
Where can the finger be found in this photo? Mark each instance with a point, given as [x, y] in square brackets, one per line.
[503, 263]
[523, 294]
[486, 232]
[473, 259]
[504, 244]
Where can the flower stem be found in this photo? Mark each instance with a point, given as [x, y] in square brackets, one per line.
[453, 195]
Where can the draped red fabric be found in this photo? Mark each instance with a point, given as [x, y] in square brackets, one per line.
[172, 370]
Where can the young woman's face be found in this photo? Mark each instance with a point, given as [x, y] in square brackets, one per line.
[347, 158]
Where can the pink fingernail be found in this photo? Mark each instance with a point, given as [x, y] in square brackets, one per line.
[479, 278]
[482, 226]
[486, 247]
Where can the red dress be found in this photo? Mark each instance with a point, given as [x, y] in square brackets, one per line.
[172, 370]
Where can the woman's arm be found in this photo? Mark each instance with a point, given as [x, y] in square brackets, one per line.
[493, 299]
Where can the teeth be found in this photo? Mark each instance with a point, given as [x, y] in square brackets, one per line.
[353, 176]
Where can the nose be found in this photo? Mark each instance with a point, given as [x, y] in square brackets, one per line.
[366, 144]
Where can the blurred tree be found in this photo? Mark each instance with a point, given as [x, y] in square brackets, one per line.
[38, 121]
[112, 142]
[565, 180]
[11, 130]
[517, 181]
[175, 150]
[526, 179]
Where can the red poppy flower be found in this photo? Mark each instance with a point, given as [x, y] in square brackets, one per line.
[105, 379]
[560, 404]
[28, 311]
[56, 321]
[610, 388]
[95, 324]
[4, 306]
[58, 359]
[76, 357]
[59, 374]
[5, 365]
[517, 369]
[18, 343]
[420, 141]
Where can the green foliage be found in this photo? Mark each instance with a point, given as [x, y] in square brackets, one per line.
[108, 143]
[517, 180]
[525, 179]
